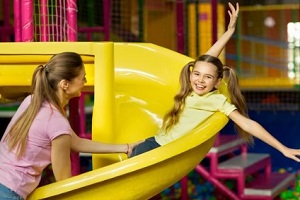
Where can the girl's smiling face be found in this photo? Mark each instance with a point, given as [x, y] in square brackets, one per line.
[204, 78]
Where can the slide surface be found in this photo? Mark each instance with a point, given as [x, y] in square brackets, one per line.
[134, 85]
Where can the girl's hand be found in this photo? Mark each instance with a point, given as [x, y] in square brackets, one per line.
[233, 13]
[292, 153]
[132, 145]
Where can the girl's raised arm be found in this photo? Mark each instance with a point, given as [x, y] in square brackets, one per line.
[217, 48]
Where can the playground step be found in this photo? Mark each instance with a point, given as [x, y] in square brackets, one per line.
[241, 165]
[225, 144]
[262, 187]
[245, 163]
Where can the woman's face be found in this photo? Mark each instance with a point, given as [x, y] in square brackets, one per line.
[204, 78]
[76, 85]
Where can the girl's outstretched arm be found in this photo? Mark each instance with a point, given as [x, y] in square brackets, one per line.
[217, 48]
[259, 132]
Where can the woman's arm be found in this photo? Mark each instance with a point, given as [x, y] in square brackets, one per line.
[89, 146]
[255, 129]
[60, 157]
[217, 48]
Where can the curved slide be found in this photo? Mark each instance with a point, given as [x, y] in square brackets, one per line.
[134, 84]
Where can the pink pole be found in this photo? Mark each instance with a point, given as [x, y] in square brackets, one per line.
[5, 5]
[17, 23]
[184, 188]
[74, 119]
[27, 21]
[180, 25]
[55, 28]
[72, 20]
[106, 5]
[6, 25]
[74, 103]
[225, 190]
[58, 29]
[61, 34]
[44, 21]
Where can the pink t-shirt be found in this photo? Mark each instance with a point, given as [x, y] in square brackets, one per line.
[23, 175]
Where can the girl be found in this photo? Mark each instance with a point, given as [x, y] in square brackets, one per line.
[39, 132]
[199, 98]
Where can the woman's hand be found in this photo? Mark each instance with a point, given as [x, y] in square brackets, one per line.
[233, 13]
[132, 146]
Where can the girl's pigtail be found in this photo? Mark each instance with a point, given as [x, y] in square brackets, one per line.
[237, 99]
[172, 117]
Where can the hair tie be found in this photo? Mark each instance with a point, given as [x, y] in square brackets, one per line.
[191, 66]
[226, 67]
[46, 68]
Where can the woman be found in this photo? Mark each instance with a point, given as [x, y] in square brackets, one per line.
[39, 133]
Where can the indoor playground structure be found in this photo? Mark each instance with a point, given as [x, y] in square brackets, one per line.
[133, 52]
[130, 96]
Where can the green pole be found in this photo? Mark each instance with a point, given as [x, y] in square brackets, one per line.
[141, 22]
[91, 14]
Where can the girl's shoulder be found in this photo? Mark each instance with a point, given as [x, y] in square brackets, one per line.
[216, 95]
[218, 100]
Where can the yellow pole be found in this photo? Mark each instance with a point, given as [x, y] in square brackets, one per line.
[103, 121]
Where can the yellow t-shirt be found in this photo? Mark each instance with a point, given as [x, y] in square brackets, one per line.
[197, 109]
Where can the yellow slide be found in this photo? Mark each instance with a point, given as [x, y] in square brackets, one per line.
[134, 85]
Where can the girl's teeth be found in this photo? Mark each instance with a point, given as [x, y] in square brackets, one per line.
[199, 86]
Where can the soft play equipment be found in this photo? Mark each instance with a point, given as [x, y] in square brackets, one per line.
[133, 85]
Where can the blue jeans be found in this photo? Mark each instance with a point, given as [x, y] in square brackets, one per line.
[148, 145]
[8, 194]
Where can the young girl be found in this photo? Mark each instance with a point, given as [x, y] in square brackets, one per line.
[39, 132]
[199, 98]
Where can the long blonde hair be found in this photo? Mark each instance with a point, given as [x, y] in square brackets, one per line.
[236, 97]
[45, 80]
